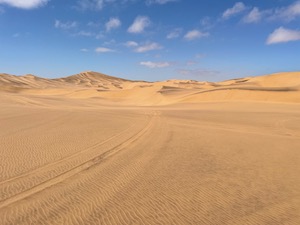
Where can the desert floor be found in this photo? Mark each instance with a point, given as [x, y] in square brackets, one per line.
[83, 162]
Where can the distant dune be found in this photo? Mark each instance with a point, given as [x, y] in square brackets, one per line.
[280, 87]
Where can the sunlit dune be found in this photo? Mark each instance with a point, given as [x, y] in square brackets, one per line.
[96, 149]
[281, 87]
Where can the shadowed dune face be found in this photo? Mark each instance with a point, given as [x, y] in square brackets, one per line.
[85, 150]
[282, 87]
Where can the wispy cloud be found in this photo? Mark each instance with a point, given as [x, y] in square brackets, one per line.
[236, 9]
[160, 2]
[288, 13]
[84, 33]
[90, 4]
[110, 42]
[254, 16]
[282, 35]
[198, 72]
[100, 35]
[104, 50]
[148, 47]
[144, 47]
[284, 14]
[92, 24]
[139, 24]
[84, 50]
[24, 4]
[97, 5]
[195, 34]
[131, 44]
[65, 25]
[174, 34]
[153, 65]
[207, 23]
[113, 23]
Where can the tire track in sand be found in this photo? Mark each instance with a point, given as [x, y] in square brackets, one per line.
[66, 158]
[111, 150]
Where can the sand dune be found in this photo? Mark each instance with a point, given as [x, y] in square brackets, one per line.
[281, 87]
[85, 150]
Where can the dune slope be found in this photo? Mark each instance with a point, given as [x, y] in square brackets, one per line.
[281, 87]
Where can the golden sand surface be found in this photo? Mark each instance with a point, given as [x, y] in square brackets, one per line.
[94, 149]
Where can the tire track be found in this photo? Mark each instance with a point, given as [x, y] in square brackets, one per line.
[49, 164]
[114, 149]
[66, 158]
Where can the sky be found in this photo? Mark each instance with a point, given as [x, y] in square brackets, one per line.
[150, 40]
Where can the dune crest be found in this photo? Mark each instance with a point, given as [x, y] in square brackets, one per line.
[280, 87]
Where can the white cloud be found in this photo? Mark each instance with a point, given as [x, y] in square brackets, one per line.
[131, 44]
[110, 42]
[84, 33]
[293, 10]
[288, 13]
[92, 24]
[65, 25]
[197, 72]
[195, 34]
[207, 23]
[236, 9]
[148, 47]
[254, 16]
[113, 23]
[139, 24]
[160, 2]
[97, 5]
[153, 65]
[141, 48]
[103, 50]
[100, 36]
[174, 34]
[282, 35]
[90, 4]
[84, 50]
[24, 4]
[285, 14]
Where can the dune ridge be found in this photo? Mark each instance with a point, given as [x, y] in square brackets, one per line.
[280, 87]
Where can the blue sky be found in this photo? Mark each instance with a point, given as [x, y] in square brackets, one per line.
[150, 39]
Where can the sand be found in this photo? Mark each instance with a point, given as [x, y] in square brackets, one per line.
[93, 149]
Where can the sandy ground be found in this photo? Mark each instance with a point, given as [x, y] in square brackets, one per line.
[68, 160]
